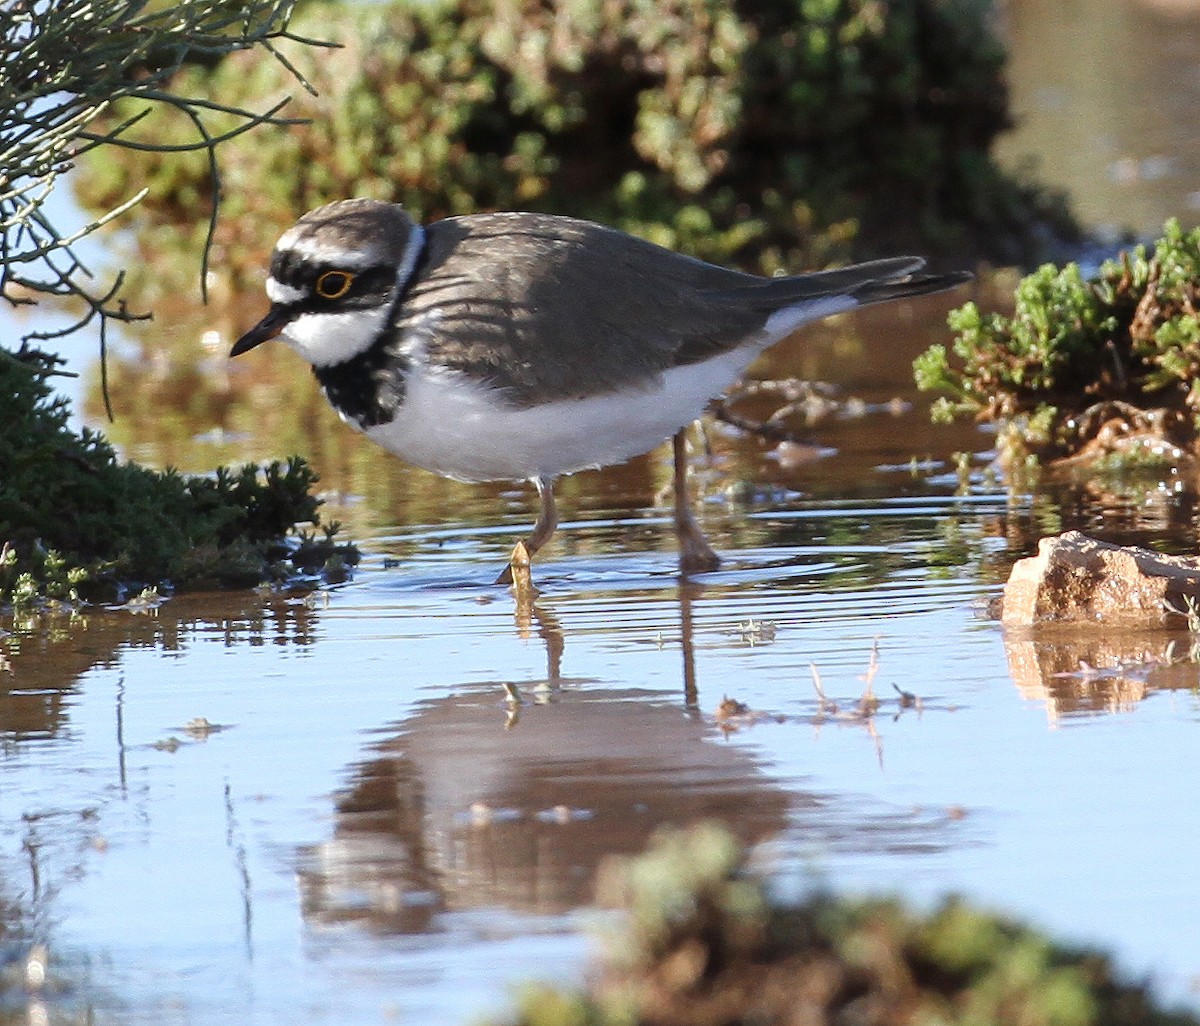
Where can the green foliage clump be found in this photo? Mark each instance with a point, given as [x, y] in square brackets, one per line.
[705, 945]
[72, 517]
[768, 135]
[1079, 355]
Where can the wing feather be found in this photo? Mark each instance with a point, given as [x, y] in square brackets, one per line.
[547, 307]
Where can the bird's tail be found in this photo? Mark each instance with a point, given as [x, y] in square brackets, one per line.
[880, 290]
[873, 282]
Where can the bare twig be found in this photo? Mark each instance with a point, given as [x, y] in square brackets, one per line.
[63, 64]
[869, 702]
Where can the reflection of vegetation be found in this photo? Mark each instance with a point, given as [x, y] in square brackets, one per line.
[705, 945]
[763, 134]
[53, 839]
[43, 665]
[72, 516]
[1104, 368]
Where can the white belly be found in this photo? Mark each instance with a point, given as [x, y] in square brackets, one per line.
[456, 428]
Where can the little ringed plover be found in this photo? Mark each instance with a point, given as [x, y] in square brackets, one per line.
[520, 346]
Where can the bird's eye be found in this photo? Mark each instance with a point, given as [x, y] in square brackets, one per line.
[334, 284]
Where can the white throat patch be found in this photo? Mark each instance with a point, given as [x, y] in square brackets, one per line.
[327, 339]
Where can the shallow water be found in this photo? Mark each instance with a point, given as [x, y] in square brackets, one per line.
[363, 827]
[370, 831]
[1104, 94]
[279, 808]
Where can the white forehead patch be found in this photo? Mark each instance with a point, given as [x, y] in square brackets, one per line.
[282, 294]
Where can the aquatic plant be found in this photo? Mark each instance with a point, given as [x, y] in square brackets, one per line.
[1106, 366]
[705, 944]
[767, 135]
[74, 519]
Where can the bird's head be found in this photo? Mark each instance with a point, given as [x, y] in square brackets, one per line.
[335, 277]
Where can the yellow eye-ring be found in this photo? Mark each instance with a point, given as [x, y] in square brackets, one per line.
[334, 284]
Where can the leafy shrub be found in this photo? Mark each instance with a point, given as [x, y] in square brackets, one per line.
[1077, 354]
[72, 516]
[704, 944]
[769, 135]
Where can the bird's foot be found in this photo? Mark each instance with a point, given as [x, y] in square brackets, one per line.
[696, 556]
[518, 574]
[698, 560]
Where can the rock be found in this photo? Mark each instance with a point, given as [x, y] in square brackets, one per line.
[1075, 579]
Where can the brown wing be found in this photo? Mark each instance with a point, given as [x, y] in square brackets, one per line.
[549, 307]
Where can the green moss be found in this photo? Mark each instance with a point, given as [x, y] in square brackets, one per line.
[1078, 352]
[75, 519]
[704, 944]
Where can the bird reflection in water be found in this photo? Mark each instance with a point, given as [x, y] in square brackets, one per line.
[451, 811]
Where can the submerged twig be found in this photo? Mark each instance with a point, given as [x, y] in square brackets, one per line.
[869, 703]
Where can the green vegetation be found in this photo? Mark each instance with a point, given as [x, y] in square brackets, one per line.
[704, 944]
[73, 519]
[771, 136]
[1104, 368]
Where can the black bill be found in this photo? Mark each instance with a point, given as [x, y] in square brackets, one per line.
[268, 328]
